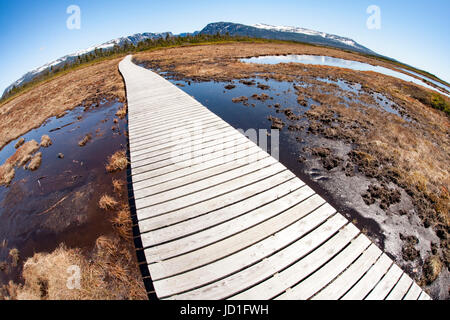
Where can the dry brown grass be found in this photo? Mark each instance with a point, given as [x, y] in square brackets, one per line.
[85, 140]
[118, 186]
[109, 272]
[107, 202]
[14, 254]
[411, 154]
[122, 223]
[117, 162]
[19, 143]
[19, 158]
[46, 141]
[221, 61]
[122, 112]
[432, 268]
[7, 173]
[35, 162]
[86, 86]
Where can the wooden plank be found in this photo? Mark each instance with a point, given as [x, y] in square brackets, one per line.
[198, 167]
[234, 235]
[168, 127]
[188, 137]
[155, 114]
[200, 176]
[181, 160]
[295, 273]
[222, 215]
[370, 279]
[225, 202]
[349, 277]
[152, 112]
[310, 231]
[413, 293]
[163, 125]
[424, 296]
[238, 172]
[386, 284]
[190, 141]
[229, 171]
[244, 258]
[168, 143]
[216, 142]
[188, 200]
[319, 279]
[229, 154]
[401, 288]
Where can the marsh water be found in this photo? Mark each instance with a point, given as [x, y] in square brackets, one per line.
[58, 202]
[342, 63]
[254, 114]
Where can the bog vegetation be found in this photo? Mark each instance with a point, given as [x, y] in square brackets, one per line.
[174, 41]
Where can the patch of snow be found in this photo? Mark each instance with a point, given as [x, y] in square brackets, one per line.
[309, 32]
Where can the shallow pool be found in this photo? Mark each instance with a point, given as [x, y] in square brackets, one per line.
[342, 63]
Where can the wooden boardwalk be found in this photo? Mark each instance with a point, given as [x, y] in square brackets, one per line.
[222, 219]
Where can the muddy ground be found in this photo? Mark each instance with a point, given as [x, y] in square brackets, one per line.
[51, 214]
[84, 86]
[384, 165]
[371, 144]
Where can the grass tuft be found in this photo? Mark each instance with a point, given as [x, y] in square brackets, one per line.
[117, 162]
[46, 141]
[35, 162]
[122, 112]
[107, 202]
[85, 140]
[105, 274]
[14, 254]
[122, 223]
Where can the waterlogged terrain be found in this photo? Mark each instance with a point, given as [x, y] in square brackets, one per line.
[354, 65]
[374, 146]
[58, 203]
[327, 159]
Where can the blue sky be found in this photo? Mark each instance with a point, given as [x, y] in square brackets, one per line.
[34, 32]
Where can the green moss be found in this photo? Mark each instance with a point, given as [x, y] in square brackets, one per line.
[438, 102]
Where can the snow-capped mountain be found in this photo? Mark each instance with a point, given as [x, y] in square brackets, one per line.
[345, 41]
[70, 58]
[285, 33]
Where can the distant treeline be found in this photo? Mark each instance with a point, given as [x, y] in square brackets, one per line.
[102, 54]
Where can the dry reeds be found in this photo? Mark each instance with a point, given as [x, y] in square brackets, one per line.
[19, 158]
[122, 223]
[46, 141]
[85, 140]
[122, 112]
[107, 202]
[117, 162]
[19, 143]
[109, 272]
[14, 254]
[35, 162]
[118, 186]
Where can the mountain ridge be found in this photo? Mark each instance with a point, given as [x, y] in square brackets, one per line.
[297, 34]
[264, 31]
